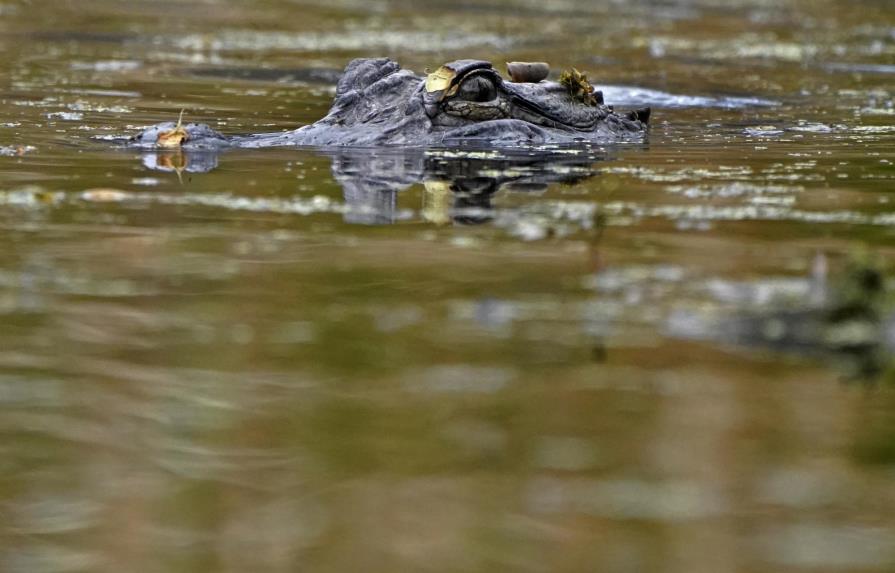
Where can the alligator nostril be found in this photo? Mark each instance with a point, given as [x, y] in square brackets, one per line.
[641, 115]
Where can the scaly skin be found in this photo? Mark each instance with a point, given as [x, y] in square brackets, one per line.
[378, 103]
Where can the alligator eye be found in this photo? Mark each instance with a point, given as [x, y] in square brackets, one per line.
[477, 88]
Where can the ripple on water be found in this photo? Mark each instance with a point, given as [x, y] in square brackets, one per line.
[874, 129]
[626, 499]
[763, 131]
[107, 65]
[34, 555]
[815, 544]
[812, 127]
[175, 378]
[757, 211]
[858, 67]
[463, 378]
[358, 40]
[734, 190]
[637, 96]
[66, 115]
[55, 514]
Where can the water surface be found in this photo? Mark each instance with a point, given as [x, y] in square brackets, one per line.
[447, 360]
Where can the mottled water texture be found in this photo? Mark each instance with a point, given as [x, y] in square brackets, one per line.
[564, 359]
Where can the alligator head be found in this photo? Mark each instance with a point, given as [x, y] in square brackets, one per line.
[378, 103]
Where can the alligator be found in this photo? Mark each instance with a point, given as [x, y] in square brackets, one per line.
[465, 101]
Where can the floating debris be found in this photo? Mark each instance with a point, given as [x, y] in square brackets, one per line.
[15, 151]
[102, 195]
[173, 137]
[66, 115]
[578, 86]
[528, 72]
[440, 79]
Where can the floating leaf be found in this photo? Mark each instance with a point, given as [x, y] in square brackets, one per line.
[438, 83]
[578, 87]
[440, 79]
[173, 137]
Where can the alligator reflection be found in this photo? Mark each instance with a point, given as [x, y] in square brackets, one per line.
[176, 161]
[458, 185]
[842, 319]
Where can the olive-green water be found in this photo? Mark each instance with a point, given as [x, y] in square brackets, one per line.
[442, 360]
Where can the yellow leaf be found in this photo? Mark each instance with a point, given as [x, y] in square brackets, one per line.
[173, 137]
[440, 79]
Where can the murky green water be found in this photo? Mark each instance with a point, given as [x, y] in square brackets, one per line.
[387, 360]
